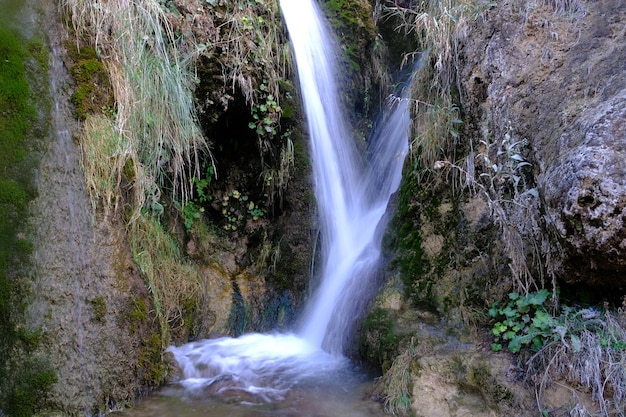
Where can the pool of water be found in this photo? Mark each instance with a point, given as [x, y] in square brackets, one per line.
[345, 396]
[261, 375]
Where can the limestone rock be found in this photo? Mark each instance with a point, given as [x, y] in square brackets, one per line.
[585, 191]
[554, 80]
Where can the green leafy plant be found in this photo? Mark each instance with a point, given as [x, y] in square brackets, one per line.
[191, 213]
[266, 117]
[237, 208]
[522, 322]
[202, 185]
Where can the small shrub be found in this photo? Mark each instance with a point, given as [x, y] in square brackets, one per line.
[587, 350]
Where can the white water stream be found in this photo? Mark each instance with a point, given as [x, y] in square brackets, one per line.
[352, 192]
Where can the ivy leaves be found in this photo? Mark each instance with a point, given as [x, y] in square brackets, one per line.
[522, 322]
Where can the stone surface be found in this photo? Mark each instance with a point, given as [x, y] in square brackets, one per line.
[585, 191]
[554, 80]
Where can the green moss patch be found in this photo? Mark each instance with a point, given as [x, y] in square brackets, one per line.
[378, 342]
[23, 378]
[151, 360]
[15, 114]
[93, 93]
[14, 101]
[412, 261]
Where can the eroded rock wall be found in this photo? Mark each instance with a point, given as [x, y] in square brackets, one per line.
[530, 196]
[554, 79]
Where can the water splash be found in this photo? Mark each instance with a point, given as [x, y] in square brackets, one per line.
[352, 193]
[254, 367]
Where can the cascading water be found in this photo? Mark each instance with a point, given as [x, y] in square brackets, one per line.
[352, 192]
[350, 206]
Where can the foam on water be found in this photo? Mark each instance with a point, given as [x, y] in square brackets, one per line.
[264, 365]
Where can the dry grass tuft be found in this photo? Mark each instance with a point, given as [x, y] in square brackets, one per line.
[172, 282]
[566, 6]
[439, 26]
[152, 84]
[395, 384]
[254, 43]
[104, 157]
[590, 353]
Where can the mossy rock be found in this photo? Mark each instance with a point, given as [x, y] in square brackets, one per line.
[151, 363]
[24, 379]
[378, 341]
[93, 93]
[99, 309]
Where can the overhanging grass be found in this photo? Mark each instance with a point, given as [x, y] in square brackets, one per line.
[154, 109]
[439, 26]
[149, 144]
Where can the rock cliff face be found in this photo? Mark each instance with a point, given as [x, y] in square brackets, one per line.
[531, 194]
[87, 301]
[554, 78]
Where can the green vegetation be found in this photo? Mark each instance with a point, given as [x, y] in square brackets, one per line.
[99, 307]
[522, 321]
[412, 261]
[378, 341]
[172, 281]
[237, 209]
[92, 93]
[586, 348]
[151, 360]
[363, 56]
[25, 392]
[583, 346]
[24, 379]
[352, 22]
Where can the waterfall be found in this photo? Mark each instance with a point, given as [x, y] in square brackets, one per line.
[352, 193]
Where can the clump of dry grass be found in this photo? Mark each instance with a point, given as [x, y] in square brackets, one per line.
[152, 84]
[566, 6]
[104, 155]
[589, 351]
[254, 43]
[149, 144]
[395, 385]
[497, 174]
[439, 26]
[172, 282]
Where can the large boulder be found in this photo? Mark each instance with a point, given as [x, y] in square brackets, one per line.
[584, 187]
